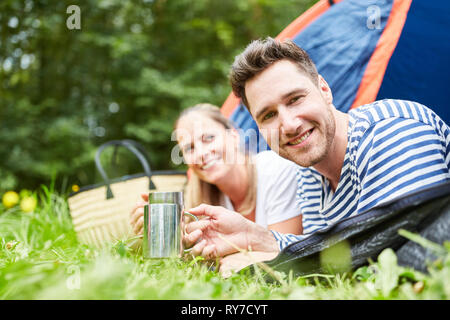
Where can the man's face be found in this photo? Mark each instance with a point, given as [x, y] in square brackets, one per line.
[286, 104]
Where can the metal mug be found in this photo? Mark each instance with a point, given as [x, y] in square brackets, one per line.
[163, 225]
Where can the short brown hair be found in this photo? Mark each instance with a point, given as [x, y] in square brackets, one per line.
[262, 53]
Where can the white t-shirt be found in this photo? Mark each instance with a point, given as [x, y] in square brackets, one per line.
[275, 191]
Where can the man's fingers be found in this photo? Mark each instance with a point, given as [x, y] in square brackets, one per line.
[198, 248]
[209, 252]
[201, 224]
[205, 210]
[191, 238]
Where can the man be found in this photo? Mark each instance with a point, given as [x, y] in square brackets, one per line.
[348, 163]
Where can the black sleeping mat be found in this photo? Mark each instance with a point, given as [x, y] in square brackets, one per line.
[426, 212]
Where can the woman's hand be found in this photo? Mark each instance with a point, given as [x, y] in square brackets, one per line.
[237, 261]
[224, 232]
[137, 215]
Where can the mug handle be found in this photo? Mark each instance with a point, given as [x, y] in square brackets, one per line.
[191, 215]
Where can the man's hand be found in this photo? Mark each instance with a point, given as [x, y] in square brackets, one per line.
[137, 215]
[224, 232]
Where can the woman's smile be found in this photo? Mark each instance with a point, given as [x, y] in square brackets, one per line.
[209, 164]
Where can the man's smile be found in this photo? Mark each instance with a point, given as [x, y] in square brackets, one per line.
[299, 141]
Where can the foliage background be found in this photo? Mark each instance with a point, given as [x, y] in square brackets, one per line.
[126, 74]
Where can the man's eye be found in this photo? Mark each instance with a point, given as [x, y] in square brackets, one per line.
[294, 100]
[269, 115]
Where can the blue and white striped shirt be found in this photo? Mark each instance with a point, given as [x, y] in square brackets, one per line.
[394, 147]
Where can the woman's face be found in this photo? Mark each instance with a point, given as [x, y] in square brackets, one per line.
[208, 147]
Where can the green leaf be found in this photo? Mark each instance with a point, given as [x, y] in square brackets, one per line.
[436, 248]
[389, 272]
[362, 274]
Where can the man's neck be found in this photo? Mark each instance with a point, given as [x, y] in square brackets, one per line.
[331, 166]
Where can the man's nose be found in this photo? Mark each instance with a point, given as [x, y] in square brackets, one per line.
[290, 123]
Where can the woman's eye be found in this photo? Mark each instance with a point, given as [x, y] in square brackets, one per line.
[208, 137]
[187, 149]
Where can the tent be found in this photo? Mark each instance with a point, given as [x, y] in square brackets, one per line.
[371, 50]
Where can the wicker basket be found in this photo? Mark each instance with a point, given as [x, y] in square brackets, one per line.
[101, 213]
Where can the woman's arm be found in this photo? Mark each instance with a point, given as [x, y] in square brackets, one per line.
[292, 225]
[277, 193]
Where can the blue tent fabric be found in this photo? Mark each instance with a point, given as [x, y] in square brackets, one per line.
[419, 68]
[243, 120]
[341, 45]
[342, 40]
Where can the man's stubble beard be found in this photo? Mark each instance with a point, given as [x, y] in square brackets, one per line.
[318, 154]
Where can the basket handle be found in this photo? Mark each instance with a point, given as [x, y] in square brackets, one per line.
[144, 160]
[135, 144]
[132, 146]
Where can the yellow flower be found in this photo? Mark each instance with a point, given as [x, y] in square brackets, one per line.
[28, 204]
[11, 244]
[10, 199]
[75, 188]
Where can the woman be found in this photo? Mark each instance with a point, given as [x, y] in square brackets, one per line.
[261, 187]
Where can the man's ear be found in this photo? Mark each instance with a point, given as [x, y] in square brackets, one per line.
[325, 90]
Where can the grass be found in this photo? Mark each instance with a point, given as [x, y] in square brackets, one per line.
[40, 258]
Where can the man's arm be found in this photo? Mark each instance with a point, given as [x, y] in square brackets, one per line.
[223, 232]
[283, 240]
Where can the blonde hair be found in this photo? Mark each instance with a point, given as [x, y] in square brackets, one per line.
[199, 191]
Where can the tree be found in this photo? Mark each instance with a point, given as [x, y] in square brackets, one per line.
[127, 73]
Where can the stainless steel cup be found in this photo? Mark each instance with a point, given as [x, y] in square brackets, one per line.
[163, 225]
